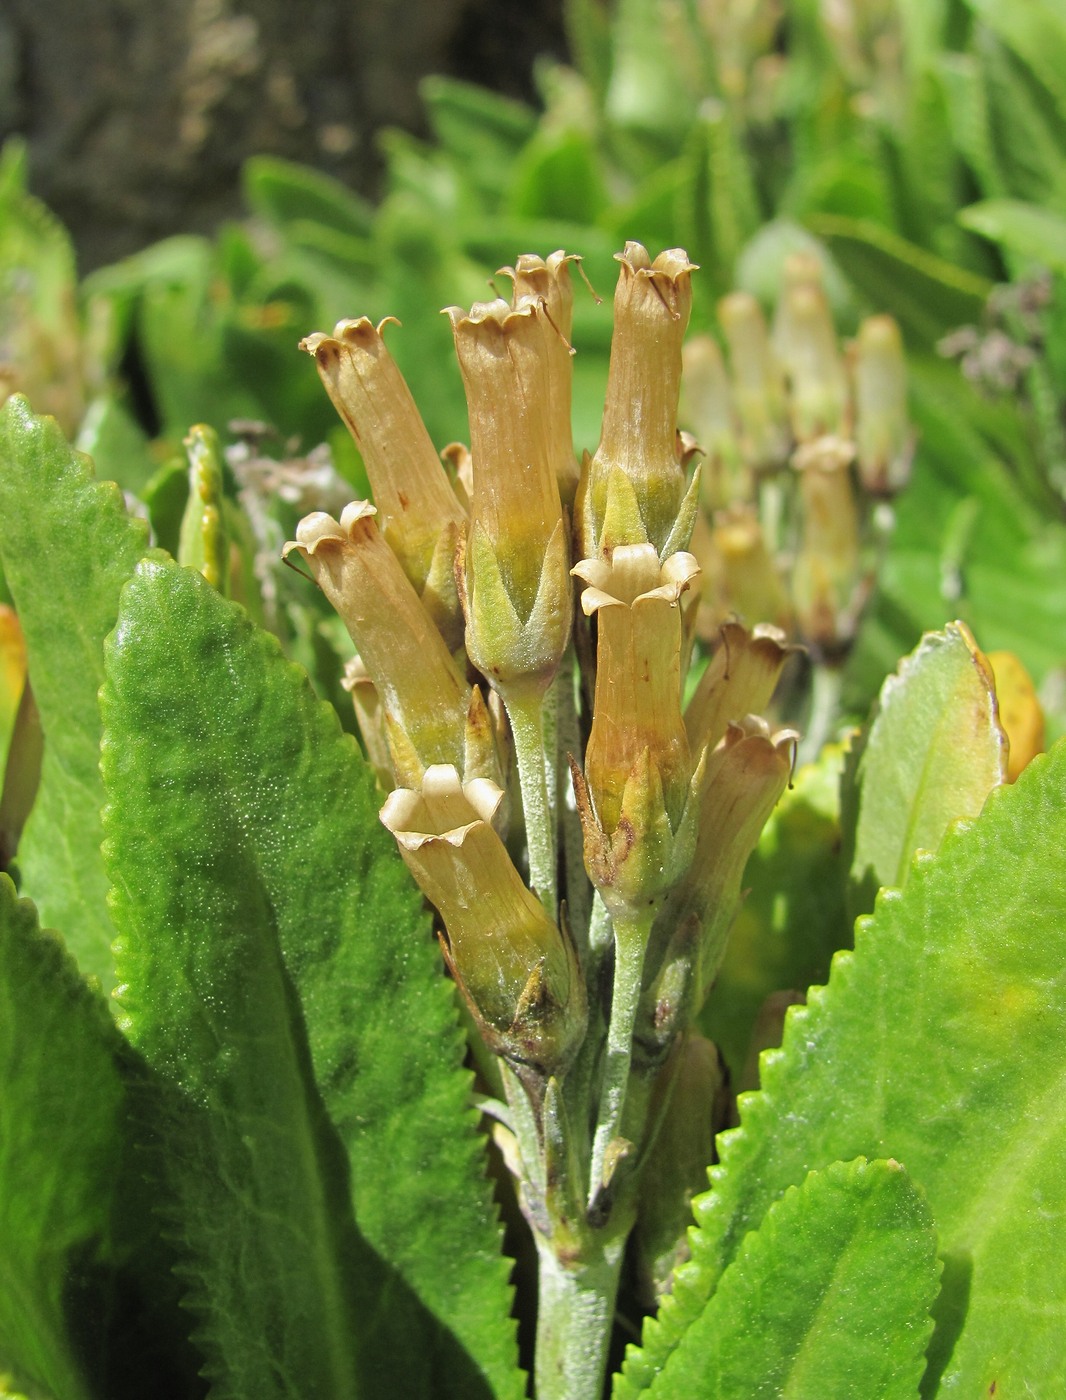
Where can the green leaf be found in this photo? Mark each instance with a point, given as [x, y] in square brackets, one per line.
[278, 973]
[1028, 229]
[937, 1042]
[588, 36]
[934, 752]
[68, 1199]
[1036, 31]
[283, 192]
[558, 175]
[481, 131]
[67, 547]
[830, 1297]
[62, 1100]
[647, 91]
[117, 444]
[927, 295]
[1023, 129]
[724, 205]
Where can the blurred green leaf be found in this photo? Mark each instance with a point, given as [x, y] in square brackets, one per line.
[558, 175]
[117, 444]
[285, 193]
[1028, 229]
[479, 134]
[1023, 128]
[926, 294]
[1003, 573]
[1036, 31]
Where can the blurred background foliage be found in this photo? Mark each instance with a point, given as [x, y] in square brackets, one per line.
[918, 150]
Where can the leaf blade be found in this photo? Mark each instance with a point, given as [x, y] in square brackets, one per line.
[829, 1297]
[67, 601]
[225, 773]
[966, 967]
[935, 750]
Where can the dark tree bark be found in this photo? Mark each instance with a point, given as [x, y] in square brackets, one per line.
[139, 113]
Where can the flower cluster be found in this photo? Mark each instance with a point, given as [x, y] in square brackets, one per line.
[805, 446]
[524, 625]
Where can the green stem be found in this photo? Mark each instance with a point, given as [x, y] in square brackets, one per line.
[577, 888]
[630, 942]
[523, 1124]
[575, 1314]
[525, 710]
[601, 929]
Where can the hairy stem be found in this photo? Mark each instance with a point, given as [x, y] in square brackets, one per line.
[575, 1315]
[525, 710]
[630, 942]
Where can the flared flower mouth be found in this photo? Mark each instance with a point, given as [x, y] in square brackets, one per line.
[443, 809]
[516, 967]
[320, 529]
[634, 575]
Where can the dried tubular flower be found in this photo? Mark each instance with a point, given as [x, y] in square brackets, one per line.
[758, 383]
[739, 680]
[818, 385]
[707, 408]
[424, 696]
[547, 282]
[826, 574]
[633, 489]
[370, 717]
[516, 566]
[638, 768]
[801, 270]
[883, 436]
[741, 782]
[420, 514]
[516, 968]
[752, 584]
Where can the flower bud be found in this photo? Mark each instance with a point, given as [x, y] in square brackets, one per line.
[517, 970]
[633, 489]
[758, 384]
[204, 540]
[424, 696]
[420, 514]
[826, 578]
[883, 435]
[516, 566]
[638, 768]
